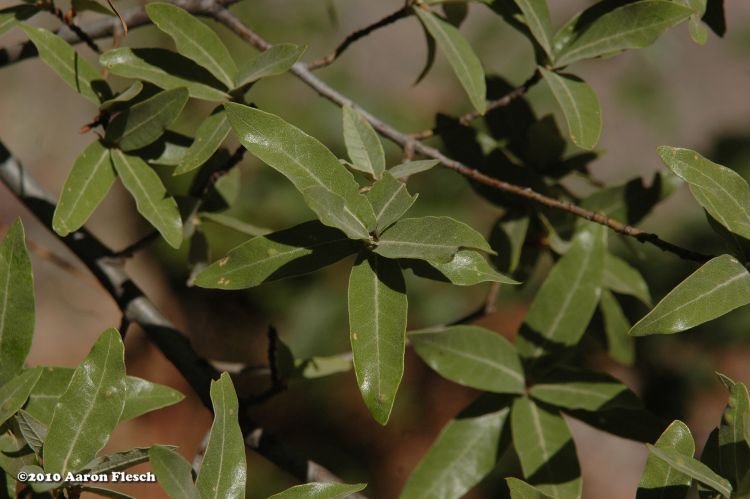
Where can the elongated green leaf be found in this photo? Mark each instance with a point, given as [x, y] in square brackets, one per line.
[429, 238]
[16, 302]
[123, 97]
[144, 396]
[545, 448]
[634, 25]
[14, 393]
[47, 391]
[659, 478]
[274, 61]
[173, 472]
[146, 121]
[718, 287]
[538, 21]
[616, 326]
[118, 461]
[460, 55]
[464, 452]
[333, 212]
[734, 453]
[10, 15]
[413, 167]
[471, 356]
[74, 70]
[320, 491]
[621, 278]
[583, 389]
[235, 224]
[302, 159]
[87, 184]
[507, 239]
[377, 329]
[580, 106]
[522, 490]
[692, 468]
[390, 200]
[208, 139]
[223, 472]
[722, 192]
[164, 69]
[363, 144]
[302, 249]
[89, 409]
[194, 40]
[564, 305]
[32, 430]
[13, 456]
[151, 198]
[467, 268]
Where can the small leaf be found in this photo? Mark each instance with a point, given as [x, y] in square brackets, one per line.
[144, 396]
[722, 192]
[429, 238]
[89, 409]
[194, 40]
[616, 326]
[734, 453]
[467, 268]
[377, 329]
[410, 168]
[142, 124]
[580, 106]
[73, 69]
[390, 200]
[165, 69]
[223, 472]
[173, 472]
[209, 137]
[16, 302]
[471, 356]
[14, 393]
[126, 95]
[583, 389]
[363, 144]
[537, 18]
[659, 478]
[320, 491]
[460, 55]
[32, 430]
[718, 287]
[430, 60]
[522, 490]
[332, 211]
[275, 61]
[621, 278]
[465, 451]
[545, 448]
[302, 249]
[87, 184]
[633, 25]
[692, 468]
[151, 198]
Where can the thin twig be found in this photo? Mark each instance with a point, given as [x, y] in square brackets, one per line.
[68, 21]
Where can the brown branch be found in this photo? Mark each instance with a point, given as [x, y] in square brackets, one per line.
[67, 20]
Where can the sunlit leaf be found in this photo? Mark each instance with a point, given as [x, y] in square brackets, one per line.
[659, 478]
[14, 393]
[583, 389]
[580, 106]
[537, 19]
[621, 278]
[692, 468]
[390, 200]
[616, 326]
[275, 61]
[208, 139]
[409, 168]
[320, 491]
[173, 472]
[363, 144]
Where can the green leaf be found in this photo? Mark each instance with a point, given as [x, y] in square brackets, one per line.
[718, 287]
[464, 452]
[319, 367]
[616, 326]
[659, 478]
[151, 198]
[16, 302]
[410, 168]
[429, 238]
[583, 389]
[722, 192]
[537, 18]
[32, 430]
[14, 393]
[235, 224]
[118, 461]
[692, 468]
[209, 137]
[275, 61]
[87, 184]
[89, 409]
[300, 250]
[14, 455]
[333, 212]
[144, 396]
[303, 160]
[90, 5]
[621, 278]
[377, 329]
[545, 448]
[467, 268]
[460, 55]
[564, 305]
[734, 453]
[223, 472]
[142, 124]
[522, 490]
[363, 144]
[507, 239]
[173, 472]
[471, 356]
[580, 106]
[126, 95]
[430, 59]
[390, 200]
[194, 40]
[74, 70]
[47, 391]
[163, 68]
[634, 25]
[320, 491]
[168, 150]
[10, 15]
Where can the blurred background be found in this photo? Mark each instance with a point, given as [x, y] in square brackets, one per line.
[674, 93]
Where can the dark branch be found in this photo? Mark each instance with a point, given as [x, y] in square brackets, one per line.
[68, 21]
